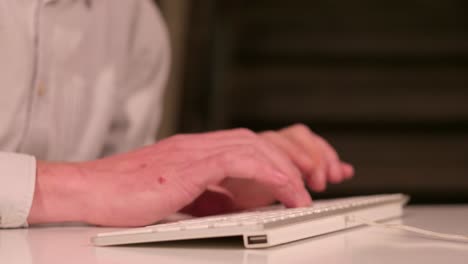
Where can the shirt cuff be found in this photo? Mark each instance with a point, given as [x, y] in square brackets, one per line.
[17, 183]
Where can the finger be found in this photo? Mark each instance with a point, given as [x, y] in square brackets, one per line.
[244, 137]
[287, 189]
[316, 178]
[279, 159]
[348, 170]
[249, 163]
[297, 154]
[335, 170]
[215, 142]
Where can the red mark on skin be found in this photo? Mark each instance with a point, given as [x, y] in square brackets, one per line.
[143, 165]
[161, 180]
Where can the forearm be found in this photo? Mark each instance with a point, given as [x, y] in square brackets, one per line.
[60, 194]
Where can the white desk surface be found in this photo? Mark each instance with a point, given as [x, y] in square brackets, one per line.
[70, 244]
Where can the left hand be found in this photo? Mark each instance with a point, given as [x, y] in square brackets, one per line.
[313, 156]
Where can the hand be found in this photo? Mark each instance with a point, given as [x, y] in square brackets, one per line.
[313, 155]
[141, 187]
[317, 161]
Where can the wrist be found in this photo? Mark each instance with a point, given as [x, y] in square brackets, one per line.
[60, 194]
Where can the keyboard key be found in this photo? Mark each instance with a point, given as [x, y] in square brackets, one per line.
[197, 226]
[226, 224]
[168, 228]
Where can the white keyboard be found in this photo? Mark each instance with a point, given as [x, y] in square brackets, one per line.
[268, 226]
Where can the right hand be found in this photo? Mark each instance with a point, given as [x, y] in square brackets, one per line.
[141, 187]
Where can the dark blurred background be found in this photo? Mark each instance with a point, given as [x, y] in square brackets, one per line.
[386, 82]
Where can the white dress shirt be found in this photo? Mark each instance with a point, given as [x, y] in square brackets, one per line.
[79, 79]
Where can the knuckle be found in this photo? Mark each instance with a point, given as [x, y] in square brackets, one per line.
[269, 133]
[249, 150]
[271, 136]
[260, 143]
[246, 152]
[177, 141]
[223, 158]
[328, 147]
[308, 166]
[178, 138]
[334, 155]
[226, 163]
[300, 127]
[280, 180]
[245, 132]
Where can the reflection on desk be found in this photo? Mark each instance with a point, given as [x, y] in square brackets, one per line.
[70, 244]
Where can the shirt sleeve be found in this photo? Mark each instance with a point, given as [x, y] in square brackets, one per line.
[136, 121]
[17, 181]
